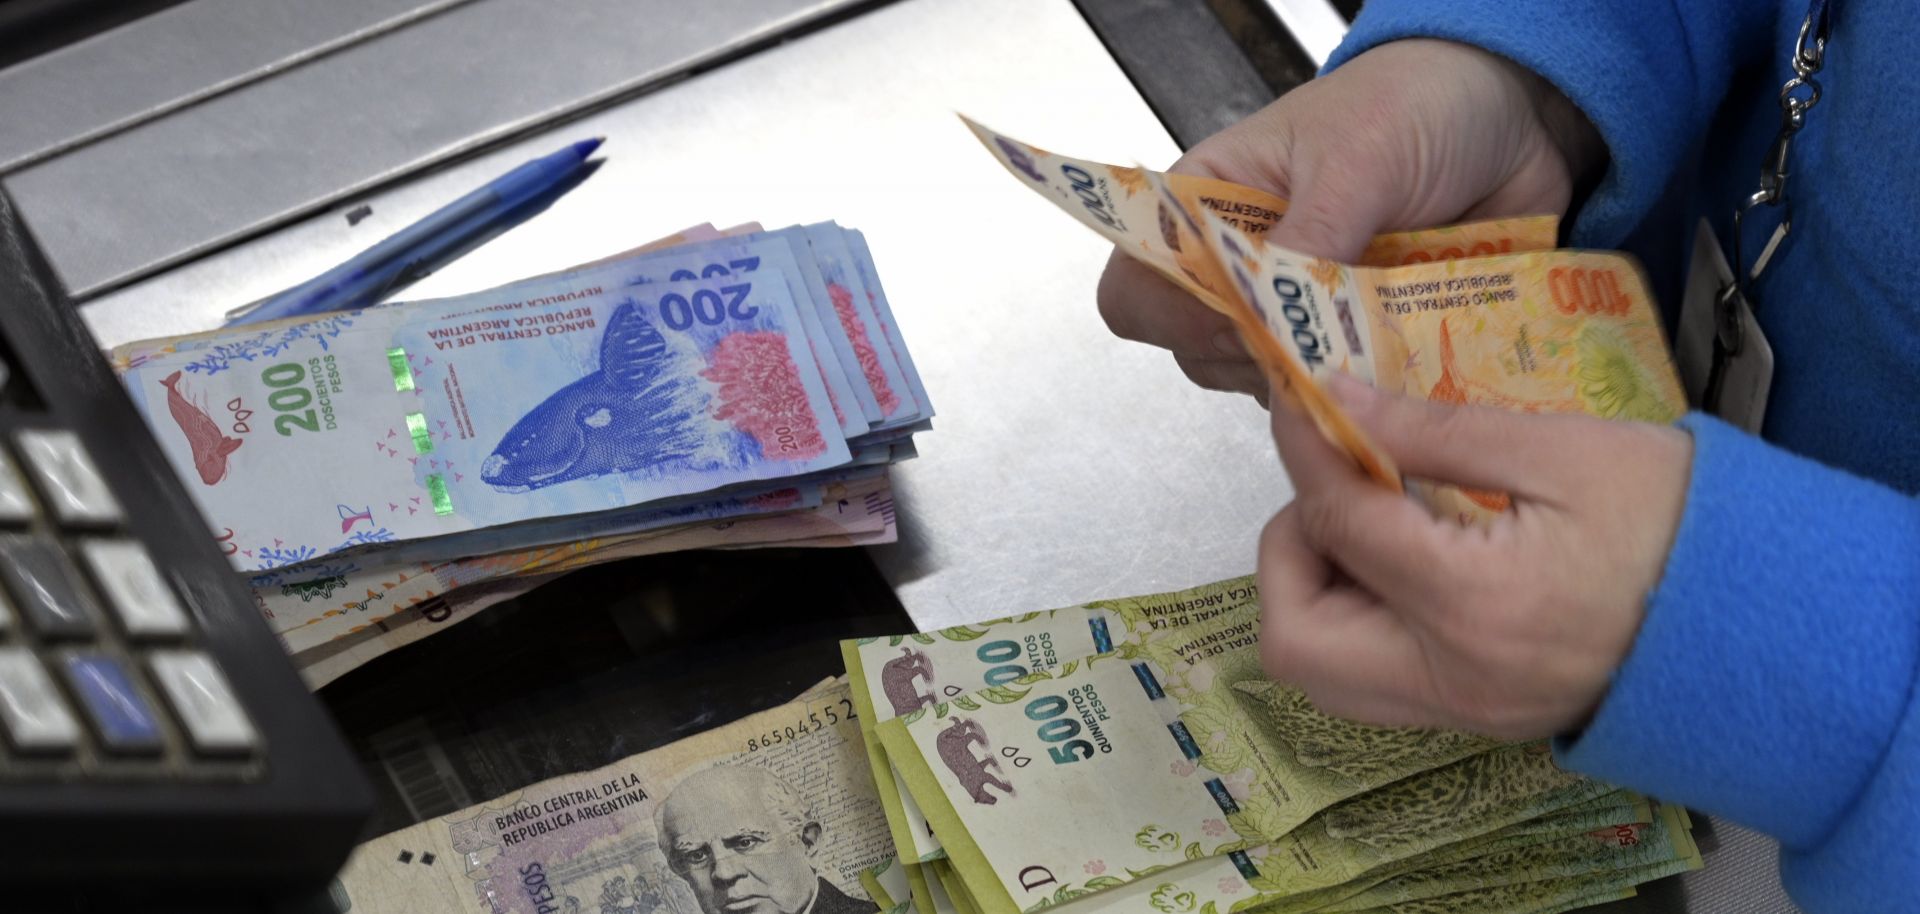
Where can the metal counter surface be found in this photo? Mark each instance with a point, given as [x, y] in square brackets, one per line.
[1064, 464]
[381, 106]
[173, 58]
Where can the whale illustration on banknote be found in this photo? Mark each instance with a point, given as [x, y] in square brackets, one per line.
[210, 446]
[632, 413]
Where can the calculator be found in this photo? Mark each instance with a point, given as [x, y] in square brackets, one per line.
[153, 732]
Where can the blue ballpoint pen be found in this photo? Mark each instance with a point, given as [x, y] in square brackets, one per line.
[413, 251]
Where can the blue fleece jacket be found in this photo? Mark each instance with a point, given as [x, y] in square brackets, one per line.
[1773, 681]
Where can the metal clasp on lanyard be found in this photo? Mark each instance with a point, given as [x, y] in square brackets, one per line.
[1797, 97]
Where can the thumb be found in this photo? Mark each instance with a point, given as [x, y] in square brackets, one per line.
[1338, 206]
[1474, 446]
[1333, 208]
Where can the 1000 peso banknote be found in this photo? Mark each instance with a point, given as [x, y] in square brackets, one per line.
[1535, 332]
[1153, 218]
[1478, 313]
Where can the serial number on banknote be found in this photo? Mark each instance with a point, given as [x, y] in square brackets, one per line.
[814, 722]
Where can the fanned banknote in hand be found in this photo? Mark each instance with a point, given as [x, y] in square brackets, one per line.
[1481, 313]
[1535, 332]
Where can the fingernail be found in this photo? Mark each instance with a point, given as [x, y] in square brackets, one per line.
[1351, 392]
[1227, 343]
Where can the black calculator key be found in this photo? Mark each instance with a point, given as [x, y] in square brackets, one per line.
[124, 719]
[44, 588]
[67, 477]
[35, 716]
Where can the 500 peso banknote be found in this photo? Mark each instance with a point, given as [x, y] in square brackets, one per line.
[897, 675]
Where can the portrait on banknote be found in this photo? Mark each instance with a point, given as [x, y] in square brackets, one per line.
[744, 841]
[774, 813]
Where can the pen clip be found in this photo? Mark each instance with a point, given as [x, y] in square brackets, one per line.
[244, 310]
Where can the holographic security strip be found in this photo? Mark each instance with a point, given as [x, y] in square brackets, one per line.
[402, 373]
[417, 427]
[437, 490]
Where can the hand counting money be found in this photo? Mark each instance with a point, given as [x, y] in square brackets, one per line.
[1480, 313]
[1123, 755]
[1539, 332]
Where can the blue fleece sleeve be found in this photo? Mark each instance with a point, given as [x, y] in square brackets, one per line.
[1648, 73]
[1773, 679]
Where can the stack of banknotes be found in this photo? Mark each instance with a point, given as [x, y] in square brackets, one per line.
[1119, 756]
[381, 474]
[1130, 755]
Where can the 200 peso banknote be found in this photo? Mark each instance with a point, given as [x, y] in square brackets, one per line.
[398, 424]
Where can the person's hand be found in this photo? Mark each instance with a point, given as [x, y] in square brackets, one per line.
[1382, 613]
[1411, 134]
